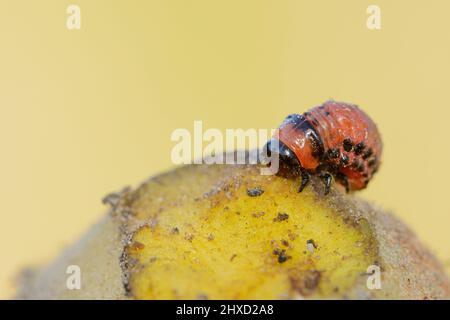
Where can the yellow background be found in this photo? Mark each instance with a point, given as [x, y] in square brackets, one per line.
[86, 112]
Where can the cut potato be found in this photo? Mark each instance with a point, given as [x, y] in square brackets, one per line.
[228, 232]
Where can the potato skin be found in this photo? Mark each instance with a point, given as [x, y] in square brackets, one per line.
[202, 231]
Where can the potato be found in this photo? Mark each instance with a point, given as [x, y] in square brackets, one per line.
[228, 232]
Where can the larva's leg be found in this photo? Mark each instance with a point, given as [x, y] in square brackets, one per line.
[345, 182]
[305, 180]
[327, 180]
[343, 179]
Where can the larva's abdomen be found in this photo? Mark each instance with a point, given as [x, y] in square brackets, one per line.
[352, 143]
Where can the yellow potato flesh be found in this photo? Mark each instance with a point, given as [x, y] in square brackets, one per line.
[229, 245]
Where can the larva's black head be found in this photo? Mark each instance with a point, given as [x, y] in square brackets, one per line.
[288, 162]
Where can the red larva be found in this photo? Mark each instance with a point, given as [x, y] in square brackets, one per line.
[334, 139]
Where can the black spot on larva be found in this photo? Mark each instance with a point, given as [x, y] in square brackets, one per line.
[357, 164]
[327, 113]
[344, 159]
[255, 192]
[347, 144]
[372, 162]
[315, 122]
[368, 153]
[359, 148]
[316, 146]
[333, 153]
